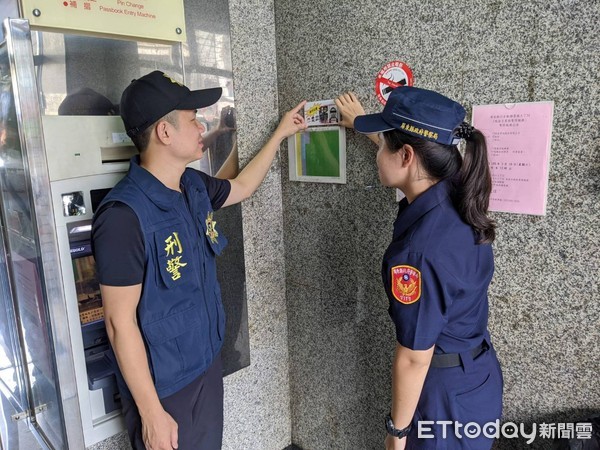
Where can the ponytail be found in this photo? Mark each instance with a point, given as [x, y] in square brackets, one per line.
[470, 174]
[473, 187]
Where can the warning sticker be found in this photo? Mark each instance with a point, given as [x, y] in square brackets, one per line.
[394, 74]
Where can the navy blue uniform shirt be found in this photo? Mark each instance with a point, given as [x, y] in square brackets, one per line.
[436, 276]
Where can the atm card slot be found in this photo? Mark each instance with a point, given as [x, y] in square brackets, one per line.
[116, 154]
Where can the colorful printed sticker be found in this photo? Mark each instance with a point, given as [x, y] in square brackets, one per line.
[391, 76]
[406, 284]
[322, 112]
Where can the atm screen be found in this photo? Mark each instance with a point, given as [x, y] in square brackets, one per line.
[97, 195]
[88, 289]
[84, 272]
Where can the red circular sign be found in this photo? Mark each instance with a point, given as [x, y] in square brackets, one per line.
[394, 74]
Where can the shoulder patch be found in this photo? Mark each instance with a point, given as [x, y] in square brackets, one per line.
[406, 284]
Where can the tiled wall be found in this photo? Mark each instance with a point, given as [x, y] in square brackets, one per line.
[545, 303]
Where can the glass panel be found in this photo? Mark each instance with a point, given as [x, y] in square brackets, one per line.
[11, 369]
[25, 267]
[207, 62]
[14, 434]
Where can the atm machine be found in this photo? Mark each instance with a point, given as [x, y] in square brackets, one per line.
[54, 377]
[87, 156]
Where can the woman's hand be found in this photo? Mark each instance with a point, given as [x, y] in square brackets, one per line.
[393, 443]
[292, 122]
[349, 107]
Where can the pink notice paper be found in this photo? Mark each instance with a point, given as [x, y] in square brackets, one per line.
[518, 139]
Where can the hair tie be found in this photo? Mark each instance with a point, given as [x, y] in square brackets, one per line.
[464, 131]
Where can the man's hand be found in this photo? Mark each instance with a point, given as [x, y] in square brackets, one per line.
[349, 107]
[227, 120]
[393, 443]
[248, 180]
[291, 123]
[159, 431]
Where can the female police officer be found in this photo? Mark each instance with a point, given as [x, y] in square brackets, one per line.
[446, 379]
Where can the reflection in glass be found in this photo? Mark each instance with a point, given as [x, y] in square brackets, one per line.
[220, 143]
[213, 49]
[24, 268]
[207, 64]
[10, 365]
[73, 204]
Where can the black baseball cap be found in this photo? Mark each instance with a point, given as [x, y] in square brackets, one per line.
[418, 112]
[156, 94]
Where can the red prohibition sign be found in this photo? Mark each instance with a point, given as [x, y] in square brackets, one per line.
[394, 74]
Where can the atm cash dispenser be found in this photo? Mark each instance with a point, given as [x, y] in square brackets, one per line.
[87, 156]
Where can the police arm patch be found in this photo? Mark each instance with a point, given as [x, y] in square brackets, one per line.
[406, 284]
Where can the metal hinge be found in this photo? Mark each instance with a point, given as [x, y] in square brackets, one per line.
[25, 414]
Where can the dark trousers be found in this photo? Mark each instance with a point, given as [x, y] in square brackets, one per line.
[197, 409]
[470, 393]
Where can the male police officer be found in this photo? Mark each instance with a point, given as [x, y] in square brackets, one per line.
[155, 240]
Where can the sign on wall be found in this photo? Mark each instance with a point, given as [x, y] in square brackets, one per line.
[318, 154]
[518, 141]
[394, 74]
[155, 20]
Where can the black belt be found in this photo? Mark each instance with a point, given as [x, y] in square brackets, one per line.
[445, 360]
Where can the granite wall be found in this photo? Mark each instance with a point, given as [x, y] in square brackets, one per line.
[257, 403]
[545, 305]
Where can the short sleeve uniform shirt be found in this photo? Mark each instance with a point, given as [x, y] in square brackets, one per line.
[436, 276]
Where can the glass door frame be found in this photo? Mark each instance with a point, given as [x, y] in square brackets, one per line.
[25, 90]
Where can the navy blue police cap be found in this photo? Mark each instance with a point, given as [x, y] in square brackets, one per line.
[156, 94]
[417, 112]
